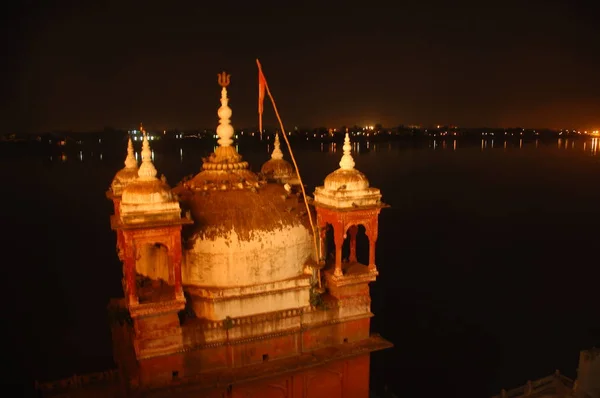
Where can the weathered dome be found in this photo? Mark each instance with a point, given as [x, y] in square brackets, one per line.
[245, 237]
[277, 168]
[146, 192]
[350, 180]
[126, 175]
[246, 232]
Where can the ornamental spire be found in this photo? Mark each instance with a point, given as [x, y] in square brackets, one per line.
[224, 129]
[130, 162]
[147, 170]
[277, 154]
[347, 162]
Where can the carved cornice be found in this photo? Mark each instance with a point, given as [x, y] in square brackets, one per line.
[117, 224]
[161, 307]
[351, 279]
[354, 301]
[368, 211]
[158, 333]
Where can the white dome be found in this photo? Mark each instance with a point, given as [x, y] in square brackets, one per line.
[244, 238]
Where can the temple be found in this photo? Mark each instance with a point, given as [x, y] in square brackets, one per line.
[229, 287]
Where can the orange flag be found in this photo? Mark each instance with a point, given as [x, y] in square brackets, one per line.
[261, 95]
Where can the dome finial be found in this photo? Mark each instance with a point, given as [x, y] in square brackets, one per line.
[147, 170]
[225, 129]
[347, 162]
[277, 154]
[130, 162]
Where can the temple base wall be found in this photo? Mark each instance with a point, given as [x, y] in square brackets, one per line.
[343, 378]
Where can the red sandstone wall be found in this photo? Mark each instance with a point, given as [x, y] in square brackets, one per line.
[326, 336]
[341, 379]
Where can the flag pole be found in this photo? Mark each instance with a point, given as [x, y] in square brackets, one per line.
[310, 219]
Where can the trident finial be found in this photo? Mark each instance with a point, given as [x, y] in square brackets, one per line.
[224, 129]
[224, 79]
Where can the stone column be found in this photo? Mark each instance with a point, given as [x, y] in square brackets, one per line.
[353, 230]
[371, 231]
[322, 242]
[178, 284]
[175, 259]
[129, 271]
[338, 236]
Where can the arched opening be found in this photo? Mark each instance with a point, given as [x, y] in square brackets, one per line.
[329, 244]
[356, 245]
[154, 273]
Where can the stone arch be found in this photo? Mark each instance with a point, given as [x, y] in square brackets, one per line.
[154, 271]
[356, 244]
[328, 242]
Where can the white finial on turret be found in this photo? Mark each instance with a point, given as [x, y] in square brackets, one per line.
[130, 162]
[347, 162]
[225, 129]
[277, 154]
[147, 170]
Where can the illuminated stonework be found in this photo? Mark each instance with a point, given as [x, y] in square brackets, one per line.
[249, 235]
[219, 303]
[347, 187]
[279, 169]
[127, 174]
[148, 197]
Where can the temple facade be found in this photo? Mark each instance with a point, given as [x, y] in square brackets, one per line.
[229, 287]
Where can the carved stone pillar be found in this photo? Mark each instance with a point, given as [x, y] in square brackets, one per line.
[120, 245]
[338, 236]
[322, 242]
[130, 280]
[371, 231]
[176, 262]
[353, 230]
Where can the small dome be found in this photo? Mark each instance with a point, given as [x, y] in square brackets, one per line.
[277, 168]
[148, 199]
[126, 175]
[147, 192]
[350, 180]
[347, 187]
[146, 188]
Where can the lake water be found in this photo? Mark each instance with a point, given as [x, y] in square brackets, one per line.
[487, 258]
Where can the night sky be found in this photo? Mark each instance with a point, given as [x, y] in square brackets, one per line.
[81, 67]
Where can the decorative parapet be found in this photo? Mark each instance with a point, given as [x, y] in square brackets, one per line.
[252, 319]
[78, 381]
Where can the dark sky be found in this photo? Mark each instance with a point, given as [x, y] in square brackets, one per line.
[75, 65]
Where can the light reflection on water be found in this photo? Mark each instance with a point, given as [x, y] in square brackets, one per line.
[589, 146]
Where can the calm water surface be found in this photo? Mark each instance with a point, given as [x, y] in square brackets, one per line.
[487, 258]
